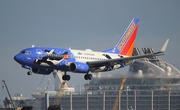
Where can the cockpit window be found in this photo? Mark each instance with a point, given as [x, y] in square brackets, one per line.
[27, 52]
[22, 52]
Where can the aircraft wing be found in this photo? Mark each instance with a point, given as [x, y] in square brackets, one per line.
[120, 60]
[112, 62]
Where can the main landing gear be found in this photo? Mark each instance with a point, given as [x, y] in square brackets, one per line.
[88, 76]
[66, 77]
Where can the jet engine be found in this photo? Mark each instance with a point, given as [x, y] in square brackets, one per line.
[79, 67]
[43, 71]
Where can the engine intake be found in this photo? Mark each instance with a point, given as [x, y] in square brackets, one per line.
[79, 67]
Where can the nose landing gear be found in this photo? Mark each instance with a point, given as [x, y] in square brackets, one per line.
[29, 73]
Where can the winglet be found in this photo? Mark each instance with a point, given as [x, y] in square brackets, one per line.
[164, 46]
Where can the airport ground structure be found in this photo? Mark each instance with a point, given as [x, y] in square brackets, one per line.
[139, 95]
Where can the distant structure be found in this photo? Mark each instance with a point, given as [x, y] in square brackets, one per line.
[57, 83]
[151, 65]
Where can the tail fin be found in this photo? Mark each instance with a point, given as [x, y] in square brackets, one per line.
[126, 43]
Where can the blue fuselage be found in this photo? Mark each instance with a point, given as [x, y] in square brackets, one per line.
[37, 57]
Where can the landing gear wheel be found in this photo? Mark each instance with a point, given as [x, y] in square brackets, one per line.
[66, 77]
[29, 73]
[88, 76]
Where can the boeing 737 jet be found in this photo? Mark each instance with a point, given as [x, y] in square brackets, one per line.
[44, 60]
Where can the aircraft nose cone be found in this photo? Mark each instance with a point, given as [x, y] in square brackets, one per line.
[17, 58]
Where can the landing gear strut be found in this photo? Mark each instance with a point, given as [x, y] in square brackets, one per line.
[88, 76]
[66, 77]
[29, 73]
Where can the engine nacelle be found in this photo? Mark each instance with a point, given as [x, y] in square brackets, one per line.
[43, 71]
[79, 67]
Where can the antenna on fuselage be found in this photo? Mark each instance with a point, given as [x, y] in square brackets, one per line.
[69, 48]
[32, 46]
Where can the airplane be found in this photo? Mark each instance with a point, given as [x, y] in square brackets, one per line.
[44, 60]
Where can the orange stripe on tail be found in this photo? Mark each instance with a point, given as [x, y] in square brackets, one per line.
[129, 46]
[126, 43]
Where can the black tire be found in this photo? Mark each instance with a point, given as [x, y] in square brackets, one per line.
[68, 77]
[64, 77]
[29, 73]
[89, 76]
[86, 77]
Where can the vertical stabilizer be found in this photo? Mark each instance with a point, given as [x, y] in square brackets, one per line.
[126, 43]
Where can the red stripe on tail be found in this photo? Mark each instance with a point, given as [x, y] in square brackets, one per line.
[129, 46]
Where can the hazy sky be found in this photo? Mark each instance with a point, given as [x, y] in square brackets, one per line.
[80, 24]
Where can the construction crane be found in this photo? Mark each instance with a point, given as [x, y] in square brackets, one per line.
[56, 104]
[8, 93]
[117, 97]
